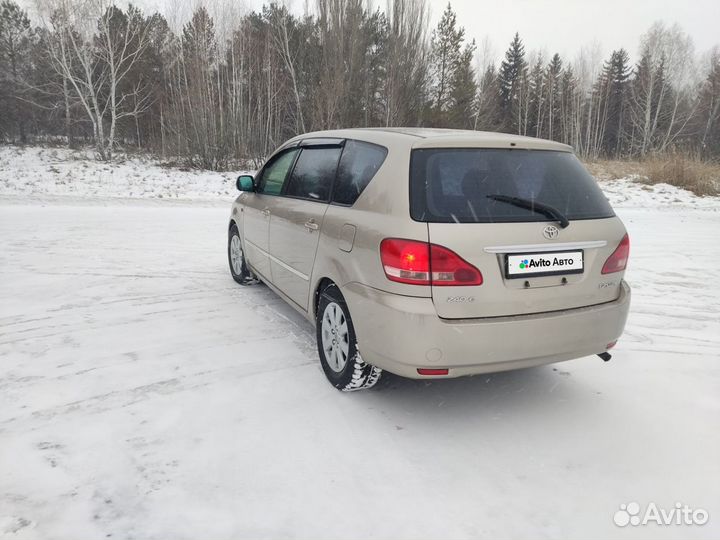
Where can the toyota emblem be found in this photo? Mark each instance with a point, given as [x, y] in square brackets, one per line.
[551, 232]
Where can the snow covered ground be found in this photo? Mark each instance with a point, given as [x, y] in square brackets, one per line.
[43, 174]
[143, 394]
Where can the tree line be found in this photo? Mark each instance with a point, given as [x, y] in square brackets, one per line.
[93, 71]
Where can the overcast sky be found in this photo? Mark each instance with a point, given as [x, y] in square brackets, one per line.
[563, 26]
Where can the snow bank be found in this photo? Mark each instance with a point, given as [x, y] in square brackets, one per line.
[631, 192]
[42, 173]
[37, 171]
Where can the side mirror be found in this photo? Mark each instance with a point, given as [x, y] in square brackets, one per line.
[245, 182]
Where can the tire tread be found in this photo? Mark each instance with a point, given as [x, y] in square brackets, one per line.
[363, 375]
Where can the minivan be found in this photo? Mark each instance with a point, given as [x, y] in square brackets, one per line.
[434, 253]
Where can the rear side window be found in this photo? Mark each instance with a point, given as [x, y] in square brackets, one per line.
[314, 173]
[273, 175]
[457, 185]
[358, 164]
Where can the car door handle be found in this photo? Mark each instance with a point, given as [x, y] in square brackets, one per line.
[310, 225]
[266, 212]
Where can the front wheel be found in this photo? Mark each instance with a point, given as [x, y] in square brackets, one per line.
[337, 345]
[236, 258]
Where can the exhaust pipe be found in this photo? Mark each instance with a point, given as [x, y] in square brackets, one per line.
[606, 356]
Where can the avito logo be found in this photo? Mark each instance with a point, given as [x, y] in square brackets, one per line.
[680, 514]
[545, 263]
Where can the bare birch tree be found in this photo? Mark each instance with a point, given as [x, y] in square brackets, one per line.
[661, 87]
[210, 83]
[95, 61]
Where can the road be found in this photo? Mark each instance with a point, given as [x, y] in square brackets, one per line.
[143, 394]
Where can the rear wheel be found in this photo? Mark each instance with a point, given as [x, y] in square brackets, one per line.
[337, 345]
[236, 258]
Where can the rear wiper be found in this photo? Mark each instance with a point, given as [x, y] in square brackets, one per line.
[534, 206]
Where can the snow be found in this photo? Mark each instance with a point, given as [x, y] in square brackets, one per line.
[631, 192]
[44, 174]
[143, 394]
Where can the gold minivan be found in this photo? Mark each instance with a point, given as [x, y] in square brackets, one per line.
[434, 253]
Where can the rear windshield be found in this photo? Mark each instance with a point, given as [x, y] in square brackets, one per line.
[457, 185]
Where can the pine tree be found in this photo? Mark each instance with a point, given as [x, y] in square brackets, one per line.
[536, 80]
[616, 73]
[488, 101]
[568, 107]
[445, 57]
[198, 38]
[709, 106]
[202, 99]
[15, 47]
[374, 69]
[596, 114]
[463, 91]
[553, 81]
[512, 73]
[153, 71]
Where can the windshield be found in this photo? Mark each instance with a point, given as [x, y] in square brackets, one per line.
[462, 185]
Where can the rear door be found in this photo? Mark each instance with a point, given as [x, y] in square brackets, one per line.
[259, 206]
[296, 223]
[529, 262]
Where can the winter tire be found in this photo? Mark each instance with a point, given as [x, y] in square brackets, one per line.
[236, 258]
[337, 345]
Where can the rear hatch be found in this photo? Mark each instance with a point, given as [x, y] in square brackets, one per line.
[534, 222]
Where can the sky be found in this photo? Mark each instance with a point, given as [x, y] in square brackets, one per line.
[563, 26]
[566, 26]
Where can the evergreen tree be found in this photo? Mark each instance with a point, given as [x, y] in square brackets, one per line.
[616, 74]
[202, 98]
[15, 46]
[153, 70]
[198, 38]
[512, 74]
[488, 101]
[464, 91]
[445, 57]
[709, 106]
[568, 107]
[374, 69]
[536, 80]
[553, 83]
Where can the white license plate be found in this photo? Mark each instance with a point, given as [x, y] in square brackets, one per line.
[544, 264]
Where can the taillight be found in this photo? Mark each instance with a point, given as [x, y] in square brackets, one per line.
[619, 258]
[448, 268]
[421, 263]
[406, 261]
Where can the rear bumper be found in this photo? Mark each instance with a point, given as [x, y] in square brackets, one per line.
[402, 333]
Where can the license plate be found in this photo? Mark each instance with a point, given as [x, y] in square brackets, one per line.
[544, 264]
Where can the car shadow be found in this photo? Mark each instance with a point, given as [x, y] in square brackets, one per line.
[542, 391]
[541, 387]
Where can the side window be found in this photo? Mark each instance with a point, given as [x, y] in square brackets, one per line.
[358, 164]
[273, 176]
[314, 173]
